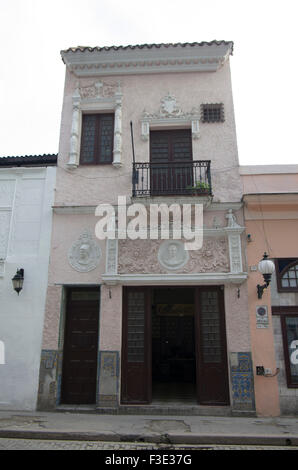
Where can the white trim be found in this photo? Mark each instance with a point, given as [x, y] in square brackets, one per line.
[164, 59]
[93, 99]
[174, 279]
[170, 114]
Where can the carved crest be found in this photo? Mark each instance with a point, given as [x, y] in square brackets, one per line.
[98, 90]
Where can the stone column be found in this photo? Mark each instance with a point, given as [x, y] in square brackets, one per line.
[118, 131]
[75, 131]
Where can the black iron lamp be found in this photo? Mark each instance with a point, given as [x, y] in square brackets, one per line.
[267, 268]
[18, 280]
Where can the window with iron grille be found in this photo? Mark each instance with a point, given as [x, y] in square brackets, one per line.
[97, 139]
[212, 112]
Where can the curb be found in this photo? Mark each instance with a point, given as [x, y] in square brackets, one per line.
[170, 438]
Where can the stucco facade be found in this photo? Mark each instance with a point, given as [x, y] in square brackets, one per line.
[26, 198]
[154, 88]
[270, 198]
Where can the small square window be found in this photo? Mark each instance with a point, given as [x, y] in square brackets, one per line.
[212, 112]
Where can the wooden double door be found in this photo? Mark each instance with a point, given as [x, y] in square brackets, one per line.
[208, 341]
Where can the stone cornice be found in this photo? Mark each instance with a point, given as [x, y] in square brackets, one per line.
[204, 57]
[174, 279]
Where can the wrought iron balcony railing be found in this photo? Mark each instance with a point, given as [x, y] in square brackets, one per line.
[172, 178]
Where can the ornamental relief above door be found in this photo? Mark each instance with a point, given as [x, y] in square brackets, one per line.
[155, 256]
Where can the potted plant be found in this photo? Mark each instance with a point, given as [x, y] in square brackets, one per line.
[201, 187]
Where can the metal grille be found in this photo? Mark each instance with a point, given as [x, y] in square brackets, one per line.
[97, 138]
[173, 178]
[106, 138]
[212, 112]
[88, 138]
[210, 327]
[135, 326]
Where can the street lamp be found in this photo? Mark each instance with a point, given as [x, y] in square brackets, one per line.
[267, 268]
[18, 280]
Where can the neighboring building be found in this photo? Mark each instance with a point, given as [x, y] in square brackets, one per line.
[144, 322]
[26, 198]
[271, 214]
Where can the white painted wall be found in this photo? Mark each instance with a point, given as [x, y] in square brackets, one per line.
[26, 198]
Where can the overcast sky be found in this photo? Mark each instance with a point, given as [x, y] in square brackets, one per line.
[264, 65]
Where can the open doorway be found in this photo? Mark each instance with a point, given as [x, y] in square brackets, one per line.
[173, 345]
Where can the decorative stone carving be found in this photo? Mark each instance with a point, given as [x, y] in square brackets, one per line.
[235, 253]
[142, 256]
[100, 96]
[169, 107]
[112, 256]
[85, 254]
[213, 257]
[233, 232]
[99, 89]
[172, 255]
[170, 113]
[232, 222]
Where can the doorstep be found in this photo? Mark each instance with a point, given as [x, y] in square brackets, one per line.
[170, 409]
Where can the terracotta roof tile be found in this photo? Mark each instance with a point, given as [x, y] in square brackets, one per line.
[46, 159]
[149, 46]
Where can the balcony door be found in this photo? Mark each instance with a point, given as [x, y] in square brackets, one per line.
[171, 162]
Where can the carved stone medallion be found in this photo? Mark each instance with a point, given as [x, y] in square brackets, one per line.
[172, 255]
[85, 254]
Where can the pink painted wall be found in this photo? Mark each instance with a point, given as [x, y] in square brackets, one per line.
[273, 226]
[88, 185]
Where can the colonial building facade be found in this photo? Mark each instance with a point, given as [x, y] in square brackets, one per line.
[140, 320]
[26, 198]
[271, 214]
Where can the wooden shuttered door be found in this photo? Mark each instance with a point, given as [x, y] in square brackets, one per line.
[136, 352]
[79, 372]
[171, 161]
[212, 369]
[97, 139]
[212, 383]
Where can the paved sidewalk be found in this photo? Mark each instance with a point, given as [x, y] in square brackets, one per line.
[156, 429]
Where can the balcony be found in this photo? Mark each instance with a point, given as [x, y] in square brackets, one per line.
[171, 179]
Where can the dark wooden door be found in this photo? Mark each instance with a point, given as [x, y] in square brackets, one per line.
[171, 161]
[136, 383]
[80, 347]
[211, 351]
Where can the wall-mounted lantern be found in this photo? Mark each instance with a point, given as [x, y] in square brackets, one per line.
[267, 268]
[18, 280]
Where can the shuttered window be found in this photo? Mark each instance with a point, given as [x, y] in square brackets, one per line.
[97, 139]
[171, 146]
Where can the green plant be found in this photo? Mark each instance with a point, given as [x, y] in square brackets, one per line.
[200, 186]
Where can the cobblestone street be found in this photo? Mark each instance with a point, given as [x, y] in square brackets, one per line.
[36, 444]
